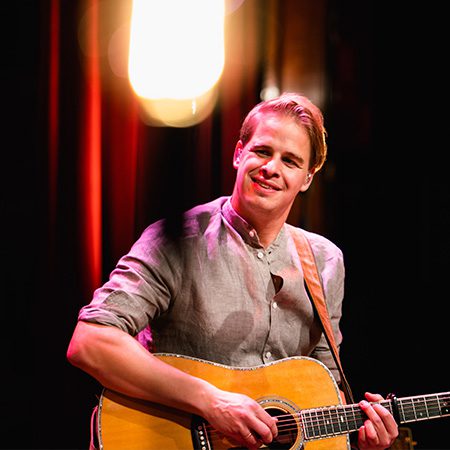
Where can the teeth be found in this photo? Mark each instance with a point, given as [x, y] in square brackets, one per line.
[264, 185]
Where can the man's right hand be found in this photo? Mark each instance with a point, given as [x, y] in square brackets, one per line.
[240, 418]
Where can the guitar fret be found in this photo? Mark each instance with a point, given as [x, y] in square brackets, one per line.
[438, 403]
[388, 405]
[355, 425]
[435, 408]
[422, 408]
[341, 418]
[328, 422]
[426, 408]
[432, 406]
[312, 428]
[324, 422]
[444, 410]
[322, 425]
[414, 410]
[306, 424]
[410, 413]
[333, 419]
[403, 417]
[316, 427]
[318, 422]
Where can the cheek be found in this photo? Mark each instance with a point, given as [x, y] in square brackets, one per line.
[295, 183]
[242, 172]
[292, 178]
[249, 166]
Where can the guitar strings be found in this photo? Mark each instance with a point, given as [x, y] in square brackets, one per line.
[435, 410]
[286, 424]
[332, 416]
[353, 412]
[291, 422]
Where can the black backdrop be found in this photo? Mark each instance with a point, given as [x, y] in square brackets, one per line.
[388, 209]
[392, 205]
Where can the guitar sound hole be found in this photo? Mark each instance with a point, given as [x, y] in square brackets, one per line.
[287, 429]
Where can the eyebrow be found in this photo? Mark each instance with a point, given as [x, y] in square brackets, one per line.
[287, 153]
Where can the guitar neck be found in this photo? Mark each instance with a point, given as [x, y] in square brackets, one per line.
[318, 423]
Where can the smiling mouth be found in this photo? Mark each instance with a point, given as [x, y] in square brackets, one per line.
[265, 186]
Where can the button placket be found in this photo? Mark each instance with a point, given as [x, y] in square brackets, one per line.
[265, 268]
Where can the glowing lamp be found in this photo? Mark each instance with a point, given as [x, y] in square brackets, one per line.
[176, 57]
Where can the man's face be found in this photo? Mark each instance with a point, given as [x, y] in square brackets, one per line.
[272, 168]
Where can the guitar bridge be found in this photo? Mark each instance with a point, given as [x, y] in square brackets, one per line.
[199, 433]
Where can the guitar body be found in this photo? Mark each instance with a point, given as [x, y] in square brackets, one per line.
[288, 386]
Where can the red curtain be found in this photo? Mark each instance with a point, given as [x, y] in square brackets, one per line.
[110, 174]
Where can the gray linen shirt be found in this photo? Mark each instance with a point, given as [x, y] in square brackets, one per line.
[220, 295]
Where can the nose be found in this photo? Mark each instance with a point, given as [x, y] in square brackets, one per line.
[271, 168]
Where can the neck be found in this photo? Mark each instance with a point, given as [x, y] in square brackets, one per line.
[267, 234]
[267, 224]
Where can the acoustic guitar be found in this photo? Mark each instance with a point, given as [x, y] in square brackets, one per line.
[300, 391]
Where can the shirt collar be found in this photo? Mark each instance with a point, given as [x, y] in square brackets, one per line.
[247, 232]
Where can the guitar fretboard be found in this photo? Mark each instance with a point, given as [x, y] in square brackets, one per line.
[331, 421]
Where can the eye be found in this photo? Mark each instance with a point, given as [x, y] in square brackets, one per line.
[261, 151]
[290, 162]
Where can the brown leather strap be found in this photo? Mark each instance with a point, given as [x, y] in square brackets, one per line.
[314, 287]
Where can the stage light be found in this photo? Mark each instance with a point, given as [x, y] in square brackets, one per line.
[176, 57]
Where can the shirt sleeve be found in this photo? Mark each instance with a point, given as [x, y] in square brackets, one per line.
[140, 287]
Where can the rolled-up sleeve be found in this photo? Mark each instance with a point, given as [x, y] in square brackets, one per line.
[139, 288]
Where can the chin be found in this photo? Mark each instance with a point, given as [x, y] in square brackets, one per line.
[267, 205]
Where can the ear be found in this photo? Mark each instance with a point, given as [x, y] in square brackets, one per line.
[237, 154]
[308, 180]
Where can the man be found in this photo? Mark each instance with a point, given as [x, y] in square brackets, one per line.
[229, 290]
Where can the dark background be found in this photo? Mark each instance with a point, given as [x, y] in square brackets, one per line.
[386, 205]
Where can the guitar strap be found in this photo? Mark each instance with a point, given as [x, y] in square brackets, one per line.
[315, 290]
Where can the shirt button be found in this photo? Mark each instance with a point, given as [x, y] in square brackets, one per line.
[274, 305]
[252, 234]
[268, 355]
[260, 255]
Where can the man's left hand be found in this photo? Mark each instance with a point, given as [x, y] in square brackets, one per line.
[380, 429]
